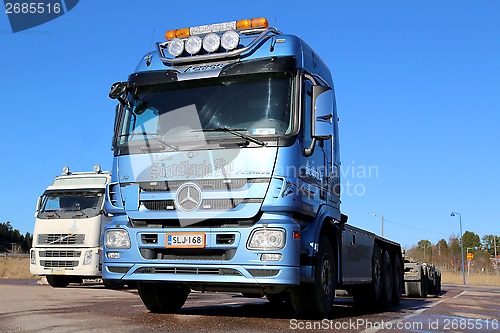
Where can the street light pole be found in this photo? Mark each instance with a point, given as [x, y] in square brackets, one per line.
[383, 220]
[461, 244]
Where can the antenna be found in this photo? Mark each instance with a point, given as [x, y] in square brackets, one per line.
[148, 59]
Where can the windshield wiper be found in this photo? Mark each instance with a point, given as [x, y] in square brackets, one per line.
[154, 136]
[233, 131]
[51, 213]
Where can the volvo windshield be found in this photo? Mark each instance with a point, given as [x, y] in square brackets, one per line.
[71, 204]
[187, 111]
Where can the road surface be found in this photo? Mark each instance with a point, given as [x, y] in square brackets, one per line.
[28, 307]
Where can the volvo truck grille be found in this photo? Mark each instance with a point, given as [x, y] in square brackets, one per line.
[60, 254]
[58, 263]
[61, 239]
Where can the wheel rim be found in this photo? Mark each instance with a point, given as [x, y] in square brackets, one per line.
[326, 282]
[376, 272]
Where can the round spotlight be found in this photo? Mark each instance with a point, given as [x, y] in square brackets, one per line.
[230, 40]
[176, 47]
[97, 168]
[193, 44]
[211, 42]
[65, 170]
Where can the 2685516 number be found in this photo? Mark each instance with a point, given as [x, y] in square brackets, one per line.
[32, 8]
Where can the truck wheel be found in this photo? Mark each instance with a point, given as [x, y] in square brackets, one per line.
[387, 281]
[163, 297]
[316, 299]
[113, 284]
[397, 280]
[57, 281]
[417, 288]
[425, 283]
[369, 297]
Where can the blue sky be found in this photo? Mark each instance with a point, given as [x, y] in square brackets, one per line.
[417, 87]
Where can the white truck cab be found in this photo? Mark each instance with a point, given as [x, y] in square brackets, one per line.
[69, 221]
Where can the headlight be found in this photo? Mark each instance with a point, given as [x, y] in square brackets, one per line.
[33, 257]
[193, 44]
[230, 40]
[266, 239]
[176, 47]
[117, 239]
[211, 42]
[87, 259]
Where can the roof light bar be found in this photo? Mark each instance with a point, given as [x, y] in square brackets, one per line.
[188, 39]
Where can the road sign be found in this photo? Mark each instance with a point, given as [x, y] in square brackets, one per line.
[470, 256]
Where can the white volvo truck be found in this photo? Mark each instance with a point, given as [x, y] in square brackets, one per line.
[69, 222]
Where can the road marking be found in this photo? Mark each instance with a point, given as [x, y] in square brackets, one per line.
[457, 296]
[408, 316]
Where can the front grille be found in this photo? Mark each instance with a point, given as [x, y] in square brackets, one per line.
[217, 204]
[188, 270]
[205, 185]
[60, 254]
[118, 269]
[58, 263]
[263, 272]
[61, 239]
[188, 254]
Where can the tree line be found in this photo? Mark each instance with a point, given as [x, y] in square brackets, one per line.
[448, 254]
[12, 241]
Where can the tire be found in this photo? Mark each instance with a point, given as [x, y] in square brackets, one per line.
[163, 297]
[397, 280]
[387, 281]
[57, 281]
[425, 283]
[417, 288]
[113, 284]
[315, 300]
[413, 288]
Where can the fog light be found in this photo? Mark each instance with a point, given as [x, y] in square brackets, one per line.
[87, 259]
[176, 47]
[271, 257]
[230, 40]
[193, 45]
[211, 42]
[113, 255]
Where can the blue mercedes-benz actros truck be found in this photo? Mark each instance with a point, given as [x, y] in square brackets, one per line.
[226, 177]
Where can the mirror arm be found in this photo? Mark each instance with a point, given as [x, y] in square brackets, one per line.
[310, 150]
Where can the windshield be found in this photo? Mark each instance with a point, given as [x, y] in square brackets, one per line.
[73, 204]
[257, 105]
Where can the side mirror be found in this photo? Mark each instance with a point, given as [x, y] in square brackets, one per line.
[117, 90]
[322, 112]
[321, 116]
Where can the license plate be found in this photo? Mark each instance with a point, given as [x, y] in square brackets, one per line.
[186, 240]
[58, 270]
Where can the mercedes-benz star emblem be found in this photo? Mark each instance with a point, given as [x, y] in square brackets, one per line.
[188, 197]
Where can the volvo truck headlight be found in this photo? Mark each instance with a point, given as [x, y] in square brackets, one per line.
[87, 258]
[176, 47]
[33, 257]
[117, 239]
[266, 239]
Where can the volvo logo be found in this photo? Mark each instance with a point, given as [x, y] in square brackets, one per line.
[188, 197]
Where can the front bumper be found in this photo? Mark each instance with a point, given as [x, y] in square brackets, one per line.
[64, 261]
